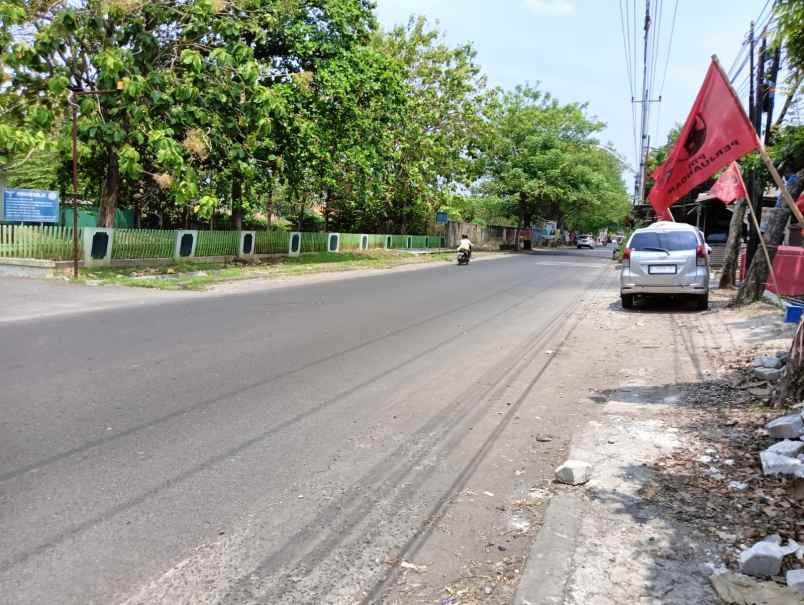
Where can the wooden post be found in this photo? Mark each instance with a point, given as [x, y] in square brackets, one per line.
[74, 107]
[764, 248]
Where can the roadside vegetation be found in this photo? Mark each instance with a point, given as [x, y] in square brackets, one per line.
[302, 114]
[199, 276]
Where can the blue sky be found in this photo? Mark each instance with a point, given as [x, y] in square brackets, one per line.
[574, 48]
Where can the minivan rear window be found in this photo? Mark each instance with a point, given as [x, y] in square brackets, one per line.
[667, 240]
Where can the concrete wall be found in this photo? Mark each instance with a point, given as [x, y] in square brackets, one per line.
[484, 238]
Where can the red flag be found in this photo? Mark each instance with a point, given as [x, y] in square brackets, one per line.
[716, 132]
[730, 185]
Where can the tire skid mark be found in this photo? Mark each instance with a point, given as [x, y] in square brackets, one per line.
[396, 478]
[112, 512]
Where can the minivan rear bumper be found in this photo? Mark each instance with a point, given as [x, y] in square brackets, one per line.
[695, 283]
[645, 289]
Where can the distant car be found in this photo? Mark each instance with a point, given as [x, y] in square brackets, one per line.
[585, 241]
[665, 258]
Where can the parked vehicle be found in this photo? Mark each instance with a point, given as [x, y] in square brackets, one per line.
[463, 257]
[585, 241]
[665, 259]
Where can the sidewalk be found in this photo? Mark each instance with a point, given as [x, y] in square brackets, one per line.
[659, 515]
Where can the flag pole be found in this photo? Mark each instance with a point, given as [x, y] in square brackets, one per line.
[764, 248]
[759, 233]
[763, 153]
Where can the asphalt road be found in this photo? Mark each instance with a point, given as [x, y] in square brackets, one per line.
[270, 446]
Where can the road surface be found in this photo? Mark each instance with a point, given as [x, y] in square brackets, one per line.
[290, 445]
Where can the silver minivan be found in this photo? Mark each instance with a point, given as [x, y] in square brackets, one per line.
[665, 258]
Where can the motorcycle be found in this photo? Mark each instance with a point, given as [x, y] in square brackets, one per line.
[463, 257]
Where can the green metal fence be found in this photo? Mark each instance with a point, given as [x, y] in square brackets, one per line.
[313, 242]
[350, 242]
[217, 243]
[272, 242]
[418, 241]
[55, 243]
[39, 242]
[143, 243]
[435, 241]
[376, 241]
[399, 241]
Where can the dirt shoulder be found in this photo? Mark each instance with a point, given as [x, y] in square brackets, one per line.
[28, 299]
[203, 276]
[677, 490]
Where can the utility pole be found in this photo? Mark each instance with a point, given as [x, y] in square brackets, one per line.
[644, 137]
[771, 91]
[755, 115]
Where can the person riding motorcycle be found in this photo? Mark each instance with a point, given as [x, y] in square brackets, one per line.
[465, 245]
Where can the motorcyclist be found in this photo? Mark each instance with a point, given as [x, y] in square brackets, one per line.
[465, 245]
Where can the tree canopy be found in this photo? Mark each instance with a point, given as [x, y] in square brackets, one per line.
[232, 110]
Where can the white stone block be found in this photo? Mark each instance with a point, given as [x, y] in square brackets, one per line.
[786, 427]
[795, 579]
[763, 559]
[574, 472]
[787, 448]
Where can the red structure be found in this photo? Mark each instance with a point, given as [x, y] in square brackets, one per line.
[788, 265]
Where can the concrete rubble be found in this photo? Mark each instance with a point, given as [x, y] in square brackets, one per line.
[763, 559]
[769, 374]
[787, 448]
[739, 589]
[786, 427]
[795, 579]
[574, 472]
[772, 362]
[777, 464]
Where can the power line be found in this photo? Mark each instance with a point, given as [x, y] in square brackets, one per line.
[666, 65]
[624, 29]
[763, 29]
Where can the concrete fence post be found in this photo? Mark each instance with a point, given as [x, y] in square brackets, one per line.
[98, 242]
[294, 243]
[186, 241]
[333, 242]
[248, 241]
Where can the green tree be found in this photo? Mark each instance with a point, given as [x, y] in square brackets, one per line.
[542, 159]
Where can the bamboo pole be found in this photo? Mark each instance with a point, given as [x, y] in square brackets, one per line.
[764, 248]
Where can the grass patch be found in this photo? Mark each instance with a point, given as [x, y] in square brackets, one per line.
[199, 276]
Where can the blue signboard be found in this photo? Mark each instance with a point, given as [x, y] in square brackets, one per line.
[30, 206]
[442, 218]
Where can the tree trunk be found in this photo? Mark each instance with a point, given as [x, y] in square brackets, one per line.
[327, 206]
[727, 278]
[759, 271]
[110, 191]
[237, 204]
[269, 205]
[792, 385]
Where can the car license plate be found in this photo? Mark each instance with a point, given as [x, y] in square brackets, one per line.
[662, 269]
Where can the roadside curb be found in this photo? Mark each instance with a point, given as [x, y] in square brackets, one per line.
[550, 558]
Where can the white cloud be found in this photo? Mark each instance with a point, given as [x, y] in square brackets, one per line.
[551, 7]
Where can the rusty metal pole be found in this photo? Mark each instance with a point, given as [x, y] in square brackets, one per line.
[75, 184]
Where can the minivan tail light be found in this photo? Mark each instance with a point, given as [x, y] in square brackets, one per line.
[626, 253]
[700, 256]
